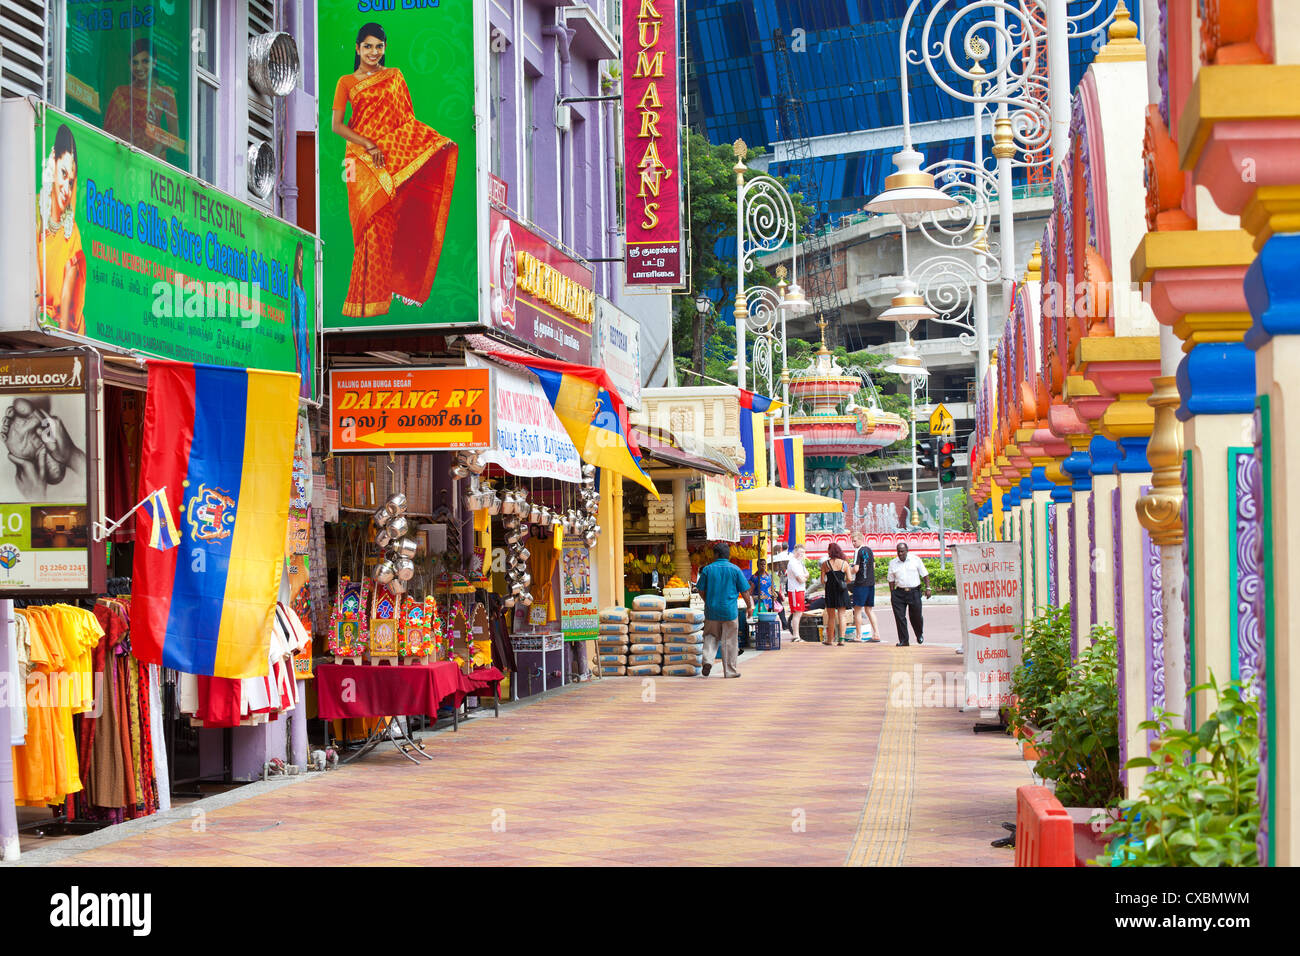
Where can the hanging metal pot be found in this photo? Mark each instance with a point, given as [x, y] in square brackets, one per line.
[396, 504]
[509, 503]
[382, 537]
[591, 539]
[399, 526]
[526, 599]
[509, 601]
[515, 536]
[526, 579]
[459, 471]
[494, 503]
[398, 587]
[516, 588]
[521, 494]
[381, 516]
[476, 466]
[385, 571]
[405, 569]
[535, 514]
[524, 554]
[406, 547]
[588, 471]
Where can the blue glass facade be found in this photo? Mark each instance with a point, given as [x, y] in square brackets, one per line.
[847, 74]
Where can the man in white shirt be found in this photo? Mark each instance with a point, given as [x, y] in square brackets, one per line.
[906, 574]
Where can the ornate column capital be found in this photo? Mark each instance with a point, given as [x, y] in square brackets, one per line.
[1272, 290]
[1160, 510]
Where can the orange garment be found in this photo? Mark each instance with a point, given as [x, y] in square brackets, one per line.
[136, 114]
[45, 767]
[58, 254]
[399, 212]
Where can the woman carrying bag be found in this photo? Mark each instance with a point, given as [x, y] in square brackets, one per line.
[835, 572]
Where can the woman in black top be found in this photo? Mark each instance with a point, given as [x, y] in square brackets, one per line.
[835, 574]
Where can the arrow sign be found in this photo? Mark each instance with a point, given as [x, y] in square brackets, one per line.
[988, 630]
[448, 439]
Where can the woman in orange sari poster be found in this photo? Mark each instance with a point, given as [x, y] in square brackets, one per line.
[61, 259]
[399, 175]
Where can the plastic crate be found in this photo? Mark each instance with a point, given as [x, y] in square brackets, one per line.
[767, 635]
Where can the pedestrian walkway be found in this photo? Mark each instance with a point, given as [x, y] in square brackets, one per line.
[803, 760]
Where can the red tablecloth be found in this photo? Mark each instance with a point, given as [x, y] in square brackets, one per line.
[484, 678]
[382, 690]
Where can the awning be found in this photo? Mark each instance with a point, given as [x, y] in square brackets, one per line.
[770, 500]
[663, 446]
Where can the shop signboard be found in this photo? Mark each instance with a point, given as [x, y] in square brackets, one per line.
[127, 251]
[410, 409]
[988, 593]
[721, 511]
[579, 612]
[652, 169]
[49, 487]
[528, 441]
[616, 347]
[539, 294]
[127, 72]
[403, 181]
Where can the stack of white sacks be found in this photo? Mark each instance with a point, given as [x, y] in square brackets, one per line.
[683, 633]
[645, 655]
[613, 641]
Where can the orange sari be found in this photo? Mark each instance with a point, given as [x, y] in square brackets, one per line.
[57, 253]
[398, 213]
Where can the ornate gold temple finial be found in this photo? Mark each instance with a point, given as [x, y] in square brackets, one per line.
[781, 273]
[1122, 43]
[1004, 140]
[1160, 511]
[821, 325]
[1034, 270]
[741, 150]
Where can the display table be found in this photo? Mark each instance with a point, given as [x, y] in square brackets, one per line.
[387, 692]
[484, 679]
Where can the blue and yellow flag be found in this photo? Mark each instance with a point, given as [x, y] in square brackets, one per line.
[164, 535]
[222, 440]
[591, 411]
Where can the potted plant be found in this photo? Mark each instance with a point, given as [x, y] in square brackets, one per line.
[1041, 676]
[1199, 805]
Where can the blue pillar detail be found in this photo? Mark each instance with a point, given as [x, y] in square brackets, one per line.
[1105, 456]
[1217, 378]
[1039, 481]
[1079, 467]
[1135, 456]
[1062, 494]
[1273, 291]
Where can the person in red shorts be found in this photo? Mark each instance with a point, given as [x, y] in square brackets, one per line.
[796, 582]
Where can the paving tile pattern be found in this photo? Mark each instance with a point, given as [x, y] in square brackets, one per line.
[802, 761]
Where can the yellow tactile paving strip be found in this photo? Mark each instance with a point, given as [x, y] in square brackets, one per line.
[788, 765]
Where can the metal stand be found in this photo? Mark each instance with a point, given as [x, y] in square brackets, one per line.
[392, 729]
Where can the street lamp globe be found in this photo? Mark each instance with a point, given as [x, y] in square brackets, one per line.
[908, 307]
[908, 363]
[703, 304]
[910, 190]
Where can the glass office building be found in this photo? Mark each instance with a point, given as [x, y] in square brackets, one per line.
[844, 62]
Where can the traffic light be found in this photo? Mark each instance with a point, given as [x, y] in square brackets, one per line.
[946, 462]
[926, 457]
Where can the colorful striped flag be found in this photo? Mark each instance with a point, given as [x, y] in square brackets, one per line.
[756, 402]
[223, 440]
[591, 411]
[163, 535]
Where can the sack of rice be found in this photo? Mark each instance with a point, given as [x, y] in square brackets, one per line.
[647, 617]
[641, 627]
[613, 670]
[678, 647]
[681, 627]
[648, 602]
[641, 670]
[614, 615]
[645, 649]
[612, 628]
[693, 659]
[620, 649]
[613, 658]
[655, 658]
[681, 670]
[689, 615]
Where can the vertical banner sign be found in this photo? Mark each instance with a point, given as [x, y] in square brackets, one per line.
[578, 607]
[721, 511]
[616, 347]
[400, 197]
[988, 592]
[48, 487]
[297, 544]
[652, 149]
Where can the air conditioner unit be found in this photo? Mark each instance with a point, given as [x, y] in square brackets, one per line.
[564, 118]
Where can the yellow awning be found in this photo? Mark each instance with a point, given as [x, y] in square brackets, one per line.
[771, 500]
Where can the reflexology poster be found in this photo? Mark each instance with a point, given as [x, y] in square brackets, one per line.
[402, 209]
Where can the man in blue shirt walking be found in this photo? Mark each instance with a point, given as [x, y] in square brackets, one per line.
[722, 584]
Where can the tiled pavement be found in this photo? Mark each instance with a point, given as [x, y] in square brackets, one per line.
[787, 765]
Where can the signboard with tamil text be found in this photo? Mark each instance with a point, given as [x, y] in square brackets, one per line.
[528, 441]
[410, 409]
[988, 593]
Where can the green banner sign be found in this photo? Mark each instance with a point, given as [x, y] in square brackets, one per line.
[135, 254]
[399, 206]
[128, 72]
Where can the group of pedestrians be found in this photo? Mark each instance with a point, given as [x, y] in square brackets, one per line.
[848, 584]
[852, 584]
